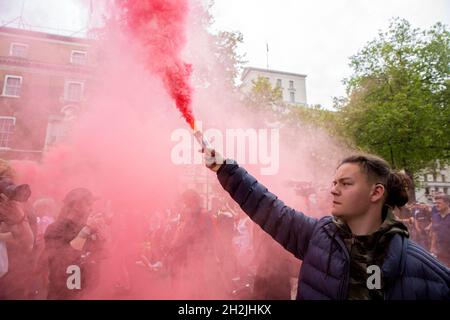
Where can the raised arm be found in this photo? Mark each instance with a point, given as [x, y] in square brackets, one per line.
[16, 229]
[292, 229]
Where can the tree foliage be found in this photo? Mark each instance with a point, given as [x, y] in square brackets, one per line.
[263, 96]
[397, 98]
[227, 55]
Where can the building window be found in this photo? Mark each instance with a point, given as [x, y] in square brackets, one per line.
[443, 178]
[292, 97]
[427, 190]
[74, 91]
[445, 190]
[291, 84]
[6, 131]
[430, 177]
[12, 86]
[18, 50]
[279, 83]
[78, 57]
[56, 132]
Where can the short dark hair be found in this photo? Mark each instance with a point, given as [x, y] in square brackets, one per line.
[78, 195]
[378, 170]
[443, 197]
[191, 198]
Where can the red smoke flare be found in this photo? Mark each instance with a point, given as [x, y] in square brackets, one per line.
[159, 26]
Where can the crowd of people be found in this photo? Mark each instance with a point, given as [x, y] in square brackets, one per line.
[224, 254]
[40, 239]
[220, 250]
[428, 225]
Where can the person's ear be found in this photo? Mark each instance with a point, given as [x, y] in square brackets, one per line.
[378, 192]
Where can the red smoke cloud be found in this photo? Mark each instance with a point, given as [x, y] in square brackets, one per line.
[159, 25]
[120, 148]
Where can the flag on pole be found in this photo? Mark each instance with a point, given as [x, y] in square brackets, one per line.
[267, 46]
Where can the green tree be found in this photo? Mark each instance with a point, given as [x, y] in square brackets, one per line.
[227, 55]
[315, 116]
[224, 60]
[263, 96]
[397, 98]
[267, 101]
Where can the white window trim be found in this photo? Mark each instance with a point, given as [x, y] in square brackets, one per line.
[8, 117]
[290, 96]
[14, 123]
[66, 90]
[6, 81]
[78, 51]
[292, 88]
[17, 43]
[279, 83]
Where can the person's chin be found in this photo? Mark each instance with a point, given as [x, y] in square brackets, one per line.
[337, 212]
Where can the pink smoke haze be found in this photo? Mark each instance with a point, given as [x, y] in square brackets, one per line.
[159, 26]
[120, 146]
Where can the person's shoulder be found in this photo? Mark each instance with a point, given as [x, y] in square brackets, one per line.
[434, 212]
[50, 230]
[323, 224]
[324, 221]
[56, 229]
[417, 253]
[419, 259]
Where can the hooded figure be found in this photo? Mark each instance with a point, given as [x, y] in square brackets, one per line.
[67, 241]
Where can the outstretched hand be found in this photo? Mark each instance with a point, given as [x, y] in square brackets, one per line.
[95, 222]
[213, 159]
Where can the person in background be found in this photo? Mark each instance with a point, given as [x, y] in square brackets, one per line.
[190, 253]
[440, 229]
[422, 225]
[17, 236]
[45, 210]
[225, 253]
[69, 241]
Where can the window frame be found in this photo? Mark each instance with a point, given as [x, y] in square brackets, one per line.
[291, 85]
[280, 83]
[20, 44]
[66, 90]
[292, 97]
[10, 133]
[5, 83]
[77, 63]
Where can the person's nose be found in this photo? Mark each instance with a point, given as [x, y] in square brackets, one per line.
[334, 190]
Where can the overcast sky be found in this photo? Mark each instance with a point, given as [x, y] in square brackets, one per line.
[312, 37]
[52, 14]
[317, 37]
